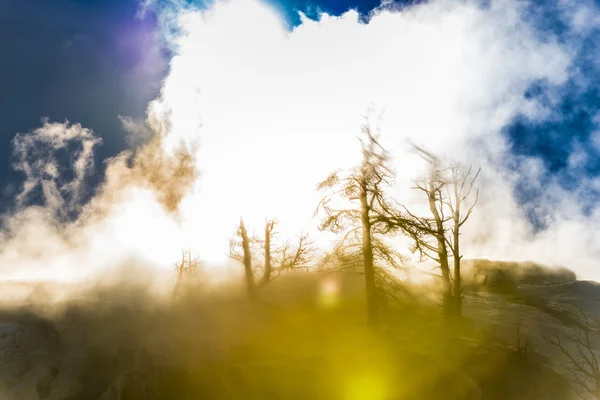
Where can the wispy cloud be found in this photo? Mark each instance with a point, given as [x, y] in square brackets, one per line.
[38, 156]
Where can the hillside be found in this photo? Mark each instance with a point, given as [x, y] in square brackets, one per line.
[297, 344]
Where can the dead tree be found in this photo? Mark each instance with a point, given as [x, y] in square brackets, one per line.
[581, 360]
[435, 225]
[274, 259]
[451, 195]
[366, 219]
[522, 340]
[247, 260]
[285, 256]
[240, 250]
[461, 200]
[186, 268]
[347, 257]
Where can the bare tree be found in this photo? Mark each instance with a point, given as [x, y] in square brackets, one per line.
[284, 257]
[247, 260]
[347, 257]
[581, 360]
[461, 200]
[522, 339]
[274, 260]
[451, 194]
[435, 225]
[186, 268]
[365, 220]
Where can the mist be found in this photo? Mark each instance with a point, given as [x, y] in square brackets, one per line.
[140, 272]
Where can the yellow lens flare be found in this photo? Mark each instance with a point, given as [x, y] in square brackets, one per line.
[329, 290]
[366, 386]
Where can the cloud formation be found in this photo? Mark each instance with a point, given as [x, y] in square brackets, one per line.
[37, 155]
[253, 115]
[130, 222]
[280, 109]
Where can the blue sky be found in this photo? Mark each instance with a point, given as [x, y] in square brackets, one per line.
[72, 59]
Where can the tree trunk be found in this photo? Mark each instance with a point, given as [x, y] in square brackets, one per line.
[250, 286]
[456, 253]
[447, 299]
[457, 279]
[367, 249]
[268, 266]
[442, 252]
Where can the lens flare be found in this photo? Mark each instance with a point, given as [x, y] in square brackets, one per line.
[329, 290]
[367, 386]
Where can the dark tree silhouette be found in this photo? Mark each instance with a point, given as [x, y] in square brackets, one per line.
[461, 200]
[365, 220]
[186, 268]
[451, 196]
[274, 260]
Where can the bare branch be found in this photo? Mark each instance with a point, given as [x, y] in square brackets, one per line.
[581, 360]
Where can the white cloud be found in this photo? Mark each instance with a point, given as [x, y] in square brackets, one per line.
[138, 132]
[275, 111]
[279, 109]
[37, 156]
[583, 15]
[127, 223]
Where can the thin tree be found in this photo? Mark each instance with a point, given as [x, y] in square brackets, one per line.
[273, 261]
[433, 188]
[451, 194]
[462, 197]
[365, 220]
[247, 260]
[186, 268]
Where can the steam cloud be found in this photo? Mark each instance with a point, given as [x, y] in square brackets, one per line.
[252, 116]
[37, 154]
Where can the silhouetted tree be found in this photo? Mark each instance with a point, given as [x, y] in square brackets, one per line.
[186, 268]
[462, 198]
[286, 256]
[451, 196]
[247, 260]
[435, 225]
[522, 339]
[366, 219]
